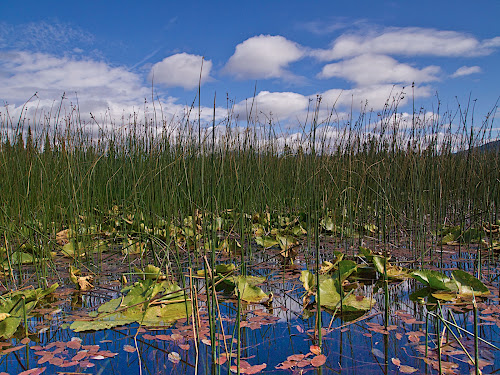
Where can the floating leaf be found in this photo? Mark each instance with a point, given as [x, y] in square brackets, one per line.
[136, 306]
[434, 280]
[4, 316]
[396, 361]
[174, 357]
[468, 285]
[315, 349]
[266, 241]
[407, 369]
[129, 348]
[248, 291]
[318, 360]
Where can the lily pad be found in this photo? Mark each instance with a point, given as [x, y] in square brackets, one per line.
[468, 285]
[435, 280]
[148, 302]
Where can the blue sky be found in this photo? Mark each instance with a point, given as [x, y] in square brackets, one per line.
[354, 54]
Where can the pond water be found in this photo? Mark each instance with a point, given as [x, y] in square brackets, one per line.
[277, 338]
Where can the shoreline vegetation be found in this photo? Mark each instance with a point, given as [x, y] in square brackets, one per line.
[184, 209]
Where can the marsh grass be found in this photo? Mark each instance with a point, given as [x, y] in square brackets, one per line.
[407, 180]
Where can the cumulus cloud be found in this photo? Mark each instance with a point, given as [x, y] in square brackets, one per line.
[374, 69]
[374, 97]
[112, 94]
[26, 73]
[276, 105]
[263, 57]
[182, 70]
[293, 109]
[408, 41]
[466, 70]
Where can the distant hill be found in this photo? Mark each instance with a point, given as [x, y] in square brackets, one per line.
[493, 146]
[490, 146]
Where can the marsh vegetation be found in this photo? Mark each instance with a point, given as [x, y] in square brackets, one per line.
[354, 246]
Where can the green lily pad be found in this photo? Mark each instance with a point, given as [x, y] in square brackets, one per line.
[147, 302]
[434, 280]
[266, 241]
[11, 303]
[248, 291]
[468, 285]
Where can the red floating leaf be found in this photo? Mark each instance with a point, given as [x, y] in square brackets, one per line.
[296, 357]
[319, 360]
[253, 369]
[74, 344]
[176, 336]
[14, 349]
[79, 356]
[163, 337]
[222, 359]
[407, 369]
[129, 348]
[315, 349]
[34, 371]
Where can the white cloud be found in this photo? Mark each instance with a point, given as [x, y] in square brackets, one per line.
[293, 110]
[278, 105]
[49, 37]
[181, 70]
[263, 57]
[376, 97]
[374, 69]
[466, 70]
[50, 76]
[114, 95]
[409, 41]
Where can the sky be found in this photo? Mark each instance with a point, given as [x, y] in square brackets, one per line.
[268, 59]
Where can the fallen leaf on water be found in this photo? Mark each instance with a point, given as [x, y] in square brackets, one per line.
[74, 344]
[407, 369]
[413, 338]
[25, 340]
[174, 357]
[34, 371]
[296, 357]
[184, 346]
[315, 349]
[300, 329]
[319, 360]
[253, 369]
[14, 349]
[129, 348]
[305, 362]
[163, 337]
[222, 359]
[176, 336]
[396, 361]
[79, 356]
